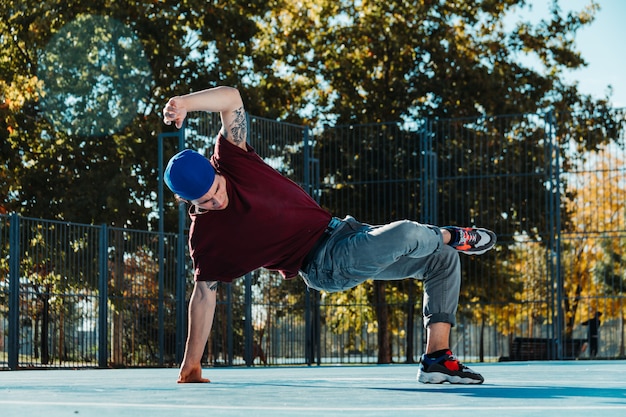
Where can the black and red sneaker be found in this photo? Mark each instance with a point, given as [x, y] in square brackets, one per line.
[446, 368]
[471, 240]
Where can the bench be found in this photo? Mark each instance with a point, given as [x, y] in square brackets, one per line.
[540, 349]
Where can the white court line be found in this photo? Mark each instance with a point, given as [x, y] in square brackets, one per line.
[291, 408]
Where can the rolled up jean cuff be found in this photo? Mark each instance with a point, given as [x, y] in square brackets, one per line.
[439, 318]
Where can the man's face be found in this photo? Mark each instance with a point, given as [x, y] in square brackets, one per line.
[214, 199]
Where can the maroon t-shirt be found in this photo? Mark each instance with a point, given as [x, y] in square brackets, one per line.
[269, 222]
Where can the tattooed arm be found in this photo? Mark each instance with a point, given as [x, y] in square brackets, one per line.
[201, 312]
[225, 100]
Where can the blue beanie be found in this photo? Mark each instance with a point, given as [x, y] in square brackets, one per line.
[189, 174]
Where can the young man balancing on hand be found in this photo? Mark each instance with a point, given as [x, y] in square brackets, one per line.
[245, 215]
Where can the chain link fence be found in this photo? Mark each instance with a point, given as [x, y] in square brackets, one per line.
[554, 288]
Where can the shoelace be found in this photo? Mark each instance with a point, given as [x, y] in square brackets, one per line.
[469, 238]
[452, 363]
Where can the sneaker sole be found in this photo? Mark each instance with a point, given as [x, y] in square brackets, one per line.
[476, 252]
[440, 378]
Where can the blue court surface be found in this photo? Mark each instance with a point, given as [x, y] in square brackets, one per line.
[577, 388]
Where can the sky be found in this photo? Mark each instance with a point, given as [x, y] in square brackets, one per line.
[602, 44]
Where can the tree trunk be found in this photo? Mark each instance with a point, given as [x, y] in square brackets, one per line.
[61, 348]
[117, 321]
[481, 347]
[45, 323]
[36, 336]
[410, 321]
[117, 334]
[621, 333]
[382, 314]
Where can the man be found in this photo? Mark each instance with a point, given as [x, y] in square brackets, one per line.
[245, 215]
[592, 333]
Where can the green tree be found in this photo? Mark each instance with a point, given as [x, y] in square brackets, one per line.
[389, 61]
[599, 209]
[81, 92]
[340, 62]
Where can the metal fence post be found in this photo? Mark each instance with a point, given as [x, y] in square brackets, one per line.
[554, 201]
[317, 329]
[181, 294]
[161, 298]
[103, 302]
[229, 321]
[248, 333]
[14, 291]
[308, 347]
[428, 186]
[308, 339]
[181, 282]
[311, 297]
[306, 154]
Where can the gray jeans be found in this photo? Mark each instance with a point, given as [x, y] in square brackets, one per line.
[356, 252]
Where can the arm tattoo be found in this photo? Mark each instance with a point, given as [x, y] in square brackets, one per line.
[239, 126]
[211, 285]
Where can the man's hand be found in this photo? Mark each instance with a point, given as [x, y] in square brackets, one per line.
[189, 374]
[201, 312]
[174, 111]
